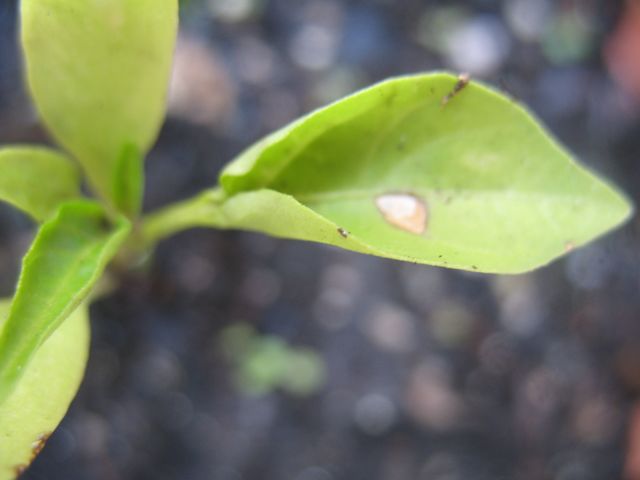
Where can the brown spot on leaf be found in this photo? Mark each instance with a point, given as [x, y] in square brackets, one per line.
[104, 224]
[343, 233]
[36, 448]
[19, 470]
[404, 210]
[38, 445]
[463, 81]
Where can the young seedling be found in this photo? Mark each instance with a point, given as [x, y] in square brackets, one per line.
[428, 168]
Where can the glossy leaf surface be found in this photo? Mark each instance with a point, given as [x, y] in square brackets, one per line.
[37, 180]
[423, 168]
[43, 394]
[98, 72]
[67, 257]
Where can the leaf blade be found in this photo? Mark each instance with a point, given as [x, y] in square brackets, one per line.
[66, 259]
[111, 91]
[502, 196]
[43, 394]
[37, 180]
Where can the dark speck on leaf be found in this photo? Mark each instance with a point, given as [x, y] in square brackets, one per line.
[104, 224]
[343, 233]
[463, 81]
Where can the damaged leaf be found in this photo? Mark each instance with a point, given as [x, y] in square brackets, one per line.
[429, 169]
[37, 405]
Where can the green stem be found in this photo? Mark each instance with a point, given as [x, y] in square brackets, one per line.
[202, 210]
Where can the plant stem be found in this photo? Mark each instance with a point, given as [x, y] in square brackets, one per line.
[202, 210]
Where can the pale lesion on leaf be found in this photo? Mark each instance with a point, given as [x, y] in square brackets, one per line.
[405, 211]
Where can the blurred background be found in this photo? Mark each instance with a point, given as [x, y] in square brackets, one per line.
[241, 357]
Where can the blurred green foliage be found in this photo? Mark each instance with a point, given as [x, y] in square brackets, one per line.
[264, 363]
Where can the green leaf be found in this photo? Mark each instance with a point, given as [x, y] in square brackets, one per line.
[66, 259]
[98, 72]
[37, 180]
[43, 394]
[423, 168]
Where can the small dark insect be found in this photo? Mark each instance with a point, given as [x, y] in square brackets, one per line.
[463, 81]
[343, 233]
